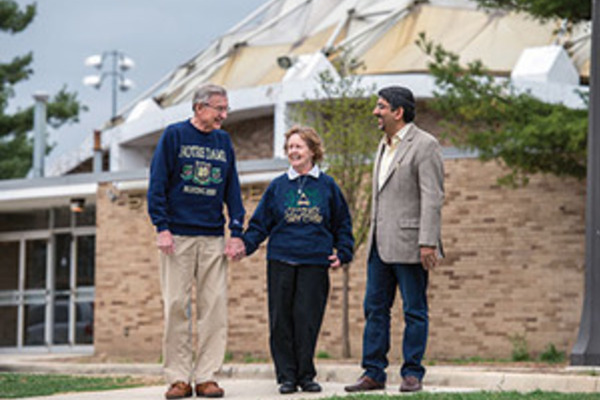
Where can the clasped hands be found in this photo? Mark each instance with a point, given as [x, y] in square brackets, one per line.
[235, 249]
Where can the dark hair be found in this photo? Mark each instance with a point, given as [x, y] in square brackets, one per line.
[310, 137]
[399, 96]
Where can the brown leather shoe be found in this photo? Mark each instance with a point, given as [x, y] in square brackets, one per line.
[411, 384]
[179, 390]
[209, 389]
[363, 384]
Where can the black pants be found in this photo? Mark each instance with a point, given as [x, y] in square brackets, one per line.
[297, 299]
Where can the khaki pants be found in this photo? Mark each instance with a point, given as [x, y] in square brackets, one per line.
[200, 260]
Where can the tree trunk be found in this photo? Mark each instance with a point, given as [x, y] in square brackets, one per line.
[345, 315]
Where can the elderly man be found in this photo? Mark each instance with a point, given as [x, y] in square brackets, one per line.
[192, 175]
[404, 242]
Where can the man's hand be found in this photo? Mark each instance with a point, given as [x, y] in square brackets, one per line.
[429, 258]
[165, 242]
[235, 249]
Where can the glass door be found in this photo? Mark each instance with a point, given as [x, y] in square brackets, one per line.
[47, 289]
[35, 291]
[9, 293]
[47, 271]
[61, 295]
[85, 250]
[23, 290]
[73, 294]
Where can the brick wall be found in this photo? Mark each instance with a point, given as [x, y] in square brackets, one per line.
[128, 309]
[515, 264]
[252, 139]
[514, 268]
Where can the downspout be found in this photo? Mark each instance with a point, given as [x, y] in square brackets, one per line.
[97, 151]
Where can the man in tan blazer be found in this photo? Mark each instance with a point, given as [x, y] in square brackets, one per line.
[404, 241]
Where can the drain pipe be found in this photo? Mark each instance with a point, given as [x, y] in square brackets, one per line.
[97, 151]
[39, 128]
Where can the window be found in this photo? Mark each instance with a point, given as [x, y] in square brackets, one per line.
[47, 265]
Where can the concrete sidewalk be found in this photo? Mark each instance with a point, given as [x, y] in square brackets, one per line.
[256, 381]
[235, 389]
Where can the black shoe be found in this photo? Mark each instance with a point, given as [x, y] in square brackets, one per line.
[311, 386]
[287, 388]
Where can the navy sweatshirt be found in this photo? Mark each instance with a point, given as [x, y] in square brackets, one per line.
[305, 218]
[192, 174]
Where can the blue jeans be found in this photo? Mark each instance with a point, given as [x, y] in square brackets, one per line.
[382, 279]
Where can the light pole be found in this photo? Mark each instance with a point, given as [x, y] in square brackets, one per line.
[586, 350]
[120, 64]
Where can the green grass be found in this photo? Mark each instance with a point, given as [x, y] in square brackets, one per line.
[251, 358]
[13, 386]
[552, 355]
[469, 361]
[323, 355]
[537, 395]
[228, 357]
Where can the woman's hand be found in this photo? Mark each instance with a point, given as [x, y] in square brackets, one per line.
[334, 261]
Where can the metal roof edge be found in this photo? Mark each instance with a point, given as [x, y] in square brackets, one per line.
[244, 167]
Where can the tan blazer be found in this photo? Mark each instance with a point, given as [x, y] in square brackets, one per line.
[406, 211]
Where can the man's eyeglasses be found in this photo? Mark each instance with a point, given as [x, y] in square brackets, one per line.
[219, 109]
[381, 106]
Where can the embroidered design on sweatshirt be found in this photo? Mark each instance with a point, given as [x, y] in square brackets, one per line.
[202, 173]
[303, 207]
[204, 153]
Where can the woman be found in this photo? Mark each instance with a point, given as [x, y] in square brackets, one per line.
[306, 217]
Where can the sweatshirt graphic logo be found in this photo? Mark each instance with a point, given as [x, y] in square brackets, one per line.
[201, 173]
[303, 207]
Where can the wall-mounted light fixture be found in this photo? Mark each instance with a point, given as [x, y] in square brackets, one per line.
[286, 62]
[77, 205]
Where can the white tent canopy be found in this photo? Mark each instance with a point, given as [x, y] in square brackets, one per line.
[379, 34]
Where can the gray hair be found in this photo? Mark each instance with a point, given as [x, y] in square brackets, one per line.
[204, 92]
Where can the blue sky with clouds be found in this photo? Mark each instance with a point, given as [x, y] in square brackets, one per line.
[157, 34]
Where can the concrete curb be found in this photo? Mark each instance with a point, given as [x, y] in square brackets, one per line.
[512, 381]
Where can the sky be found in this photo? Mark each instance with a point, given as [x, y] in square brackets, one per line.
[158, 35]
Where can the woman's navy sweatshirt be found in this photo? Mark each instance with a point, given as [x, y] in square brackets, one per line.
[306, 218]
[192, 174]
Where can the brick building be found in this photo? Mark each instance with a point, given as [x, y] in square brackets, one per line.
[514, 268]
[88, 282]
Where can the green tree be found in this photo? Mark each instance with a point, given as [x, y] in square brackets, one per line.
[480, 113]
[489, 116]
[572, 10]
[342, 115]
[15, 145]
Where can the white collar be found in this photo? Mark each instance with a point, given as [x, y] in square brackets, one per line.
[399, 136]
[293, 174]
[402, 132]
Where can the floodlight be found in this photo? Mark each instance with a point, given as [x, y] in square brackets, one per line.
[126, 63]
[93, 80]
[94, 61]
[125, 84]
[115, 69]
